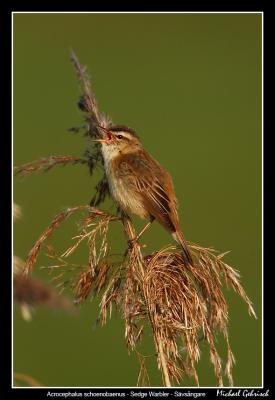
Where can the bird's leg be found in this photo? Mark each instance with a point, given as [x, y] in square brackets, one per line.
[131, 241]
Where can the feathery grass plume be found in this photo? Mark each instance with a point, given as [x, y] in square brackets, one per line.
[87, 102]
[91, 281]
[93, 117]
[29, 292]
[17, 213]
[18, 264]
[33, 254]
[19, 377]
[33, 292]
[46, 163]
[143, 376]
[101, 192]
[183, 304]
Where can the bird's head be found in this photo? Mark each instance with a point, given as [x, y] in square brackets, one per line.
[118, 139]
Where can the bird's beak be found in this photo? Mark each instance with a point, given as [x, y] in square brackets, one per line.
[107, 135]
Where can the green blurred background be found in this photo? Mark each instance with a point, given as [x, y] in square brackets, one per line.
[190, 84]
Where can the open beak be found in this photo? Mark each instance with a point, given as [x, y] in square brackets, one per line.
[107, 135]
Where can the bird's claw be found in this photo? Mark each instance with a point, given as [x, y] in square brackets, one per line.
[132, 242]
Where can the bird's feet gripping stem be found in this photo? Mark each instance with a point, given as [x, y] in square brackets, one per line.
[135, 240]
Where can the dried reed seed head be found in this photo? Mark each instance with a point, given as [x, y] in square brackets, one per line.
[83, 103]
[203, 282]
[172, 293]
[30, 290]
[91, 281]
[33, 254]
[17, 212]
[101, 277]
[183, 301]
[83, 285]
[101, 192]
[18, 264]
[34, 292]
[143, 376]
[46, 163]
[113, 295]
[87, 102]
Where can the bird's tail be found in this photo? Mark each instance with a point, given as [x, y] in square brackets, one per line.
[178, 236]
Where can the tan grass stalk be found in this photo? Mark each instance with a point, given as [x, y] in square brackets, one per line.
[143, 376]
[28, 379]
[44, 164]
[30, 293]
[17, 213]
[134, 282]
[32, 256]
[87, 102]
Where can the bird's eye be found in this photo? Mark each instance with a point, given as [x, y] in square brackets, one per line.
[119, 136]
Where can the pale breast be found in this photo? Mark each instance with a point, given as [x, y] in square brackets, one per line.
[127, 199]
[123, 194]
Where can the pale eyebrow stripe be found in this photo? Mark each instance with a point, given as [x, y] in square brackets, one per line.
[124, 134]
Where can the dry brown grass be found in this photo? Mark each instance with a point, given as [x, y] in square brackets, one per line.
[28, 379]
[183, 304]
[29, 292]
[32, 256]
[46, 163]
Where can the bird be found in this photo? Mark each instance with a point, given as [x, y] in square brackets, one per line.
[138, 183]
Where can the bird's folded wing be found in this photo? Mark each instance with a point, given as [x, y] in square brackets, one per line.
[154, 185]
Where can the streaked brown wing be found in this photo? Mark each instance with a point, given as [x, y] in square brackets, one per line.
[144, 175]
